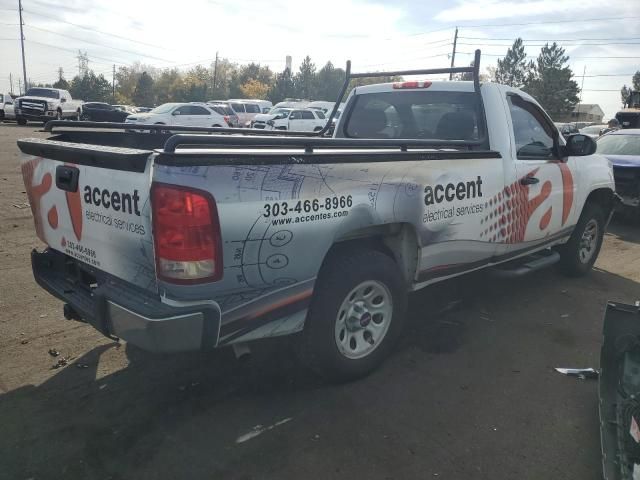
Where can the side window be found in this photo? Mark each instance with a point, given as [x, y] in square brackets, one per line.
[306, 115]
[184, 110]
[237, 107]
[195, 110]
[252, 108]
[532, 133]
[320, 115]
[295, 115]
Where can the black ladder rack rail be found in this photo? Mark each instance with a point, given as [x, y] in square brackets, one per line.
[279, 138]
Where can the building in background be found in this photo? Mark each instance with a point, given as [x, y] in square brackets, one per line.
[584, 112]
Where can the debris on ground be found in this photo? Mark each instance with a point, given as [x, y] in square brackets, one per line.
[21, 205]
[53, 352]
[581, 373]
[24, 342]
[82, 365]
[62, 362]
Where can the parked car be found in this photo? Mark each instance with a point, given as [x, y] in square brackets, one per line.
[130, 109]
[292, 103]
[245, 111]
[176, 249]
[103, 112]
[592, 130]
[7, 111]
[622, 148]
[188, 114]
[227, 112]
[567, 129]
[325, 107]
[44, 104]
[142, 109]
[298, 120]
[260, 120]
[264, 105]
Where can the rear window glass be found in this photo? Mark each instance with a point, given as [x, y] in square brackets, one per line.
[423, 114]
[251, 108]
[237, 107]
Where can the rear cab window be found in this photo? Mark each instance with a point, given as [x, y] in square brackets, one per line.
[251, 108]
[442, 115]
[237, 107]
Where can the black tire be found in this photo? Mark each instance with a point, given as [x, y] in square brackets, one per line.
[576, 256]
[21, 121]
[58, 115]
[345, 271]
[2, 116]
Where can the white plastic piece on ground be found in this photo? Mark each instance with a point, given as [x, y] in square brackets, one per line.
[636, 471]
[259, 429]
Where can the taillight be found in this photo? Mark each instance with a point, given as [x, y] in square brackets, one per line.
[226, 119]
[186, 232]
[400, 85]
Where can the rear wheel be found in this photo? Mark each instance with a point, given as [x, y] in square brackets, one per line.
[356, 314]
[21, 121]
[578, 255]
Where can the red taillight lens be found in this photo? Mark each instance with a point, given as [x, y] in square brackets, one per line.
[186, 233]
[400, 85]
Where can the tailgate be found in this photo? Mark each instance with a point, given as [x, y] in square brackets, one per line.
[92, 203]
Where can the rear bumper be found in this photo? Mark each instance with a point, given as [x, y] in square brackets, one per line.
[119, 309]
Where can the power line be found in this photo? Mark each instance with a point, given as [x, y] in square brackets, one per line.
[75, 52]
[101, 45]
[552, 39]
[535, 56]
[93, 30]
[544, 44]
[582, 20]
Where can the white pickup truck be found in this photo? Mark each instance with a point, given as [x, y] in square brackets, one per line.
[44, 104]
[195, 241]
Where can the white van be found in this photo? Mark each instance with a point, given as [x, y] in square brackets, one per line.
[289, 103]
[247, 108]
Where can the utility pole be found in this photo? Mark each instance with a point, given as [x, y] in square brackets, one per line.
[113, 84]
[19, 86]
[584, 71]
[11, 83]
[24, 66]
[215, 73]
[453, 54]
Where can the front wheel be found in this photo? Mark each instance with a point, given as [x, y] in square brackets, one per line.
[58, 115]
[578, 255]
[356, 314]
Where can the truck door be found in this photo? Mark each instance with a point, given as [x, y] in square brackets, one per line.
[542, 186]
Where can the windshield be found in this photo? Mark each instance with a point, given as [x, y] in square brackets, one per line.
[592, 130]
[164, 108]
[619, 145]
[43, 92]
[280, 111]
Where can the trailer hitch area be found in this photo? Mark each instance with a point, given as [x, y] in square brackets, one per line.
[619, 392]
[71, 313]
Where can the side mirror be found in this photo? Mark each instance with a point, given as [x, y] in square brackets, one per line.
[580, 145]
[176, 112]
[62, 100]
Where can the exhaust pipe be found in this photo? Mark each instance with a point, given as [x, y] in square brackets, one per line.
[242, 351]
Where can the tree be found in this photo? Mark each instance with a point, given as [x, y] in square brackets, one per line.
[254, 89]
[90, 87]
[513, 69]
[282, 88]
[61, 82]
[550, 81]
[252, 71]
[635, 86]
[328, 82]
[304, 81]
[143, 94]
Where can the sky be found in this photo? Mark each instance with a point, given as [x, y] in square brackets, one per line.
[603, 37]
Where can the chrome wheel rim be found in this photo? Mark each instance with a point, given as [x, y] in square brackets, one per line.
[363, 319]
[589, 241]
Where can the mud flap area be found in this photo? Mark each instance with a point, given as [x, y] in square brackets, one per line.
[619, 392]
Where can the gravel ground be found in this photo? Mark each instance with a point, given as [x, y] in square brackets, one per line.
[469, 392]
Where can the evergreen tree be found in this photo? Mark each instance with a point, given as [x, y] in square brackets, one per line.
[329, 80]
[282, 88]
[90, 87]
[635, 86]
[550, 81]
[513, 69]
[143, 94]
[304, 81]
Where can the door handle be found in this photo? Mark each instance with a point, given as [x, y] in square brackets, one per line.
[67, 178]
[529, 180]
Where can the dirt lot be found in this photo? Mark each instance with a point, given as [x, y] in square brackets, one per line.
[469, 392]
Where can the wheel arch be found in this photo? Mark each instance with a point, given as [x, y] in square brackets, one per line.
[398, 241]
[604, 197]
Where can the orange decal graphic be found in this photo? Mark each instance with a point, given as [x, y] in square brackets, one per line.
[546, 218]
[35, 192]
[52, 216]
[567, 191]
[74, 203]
